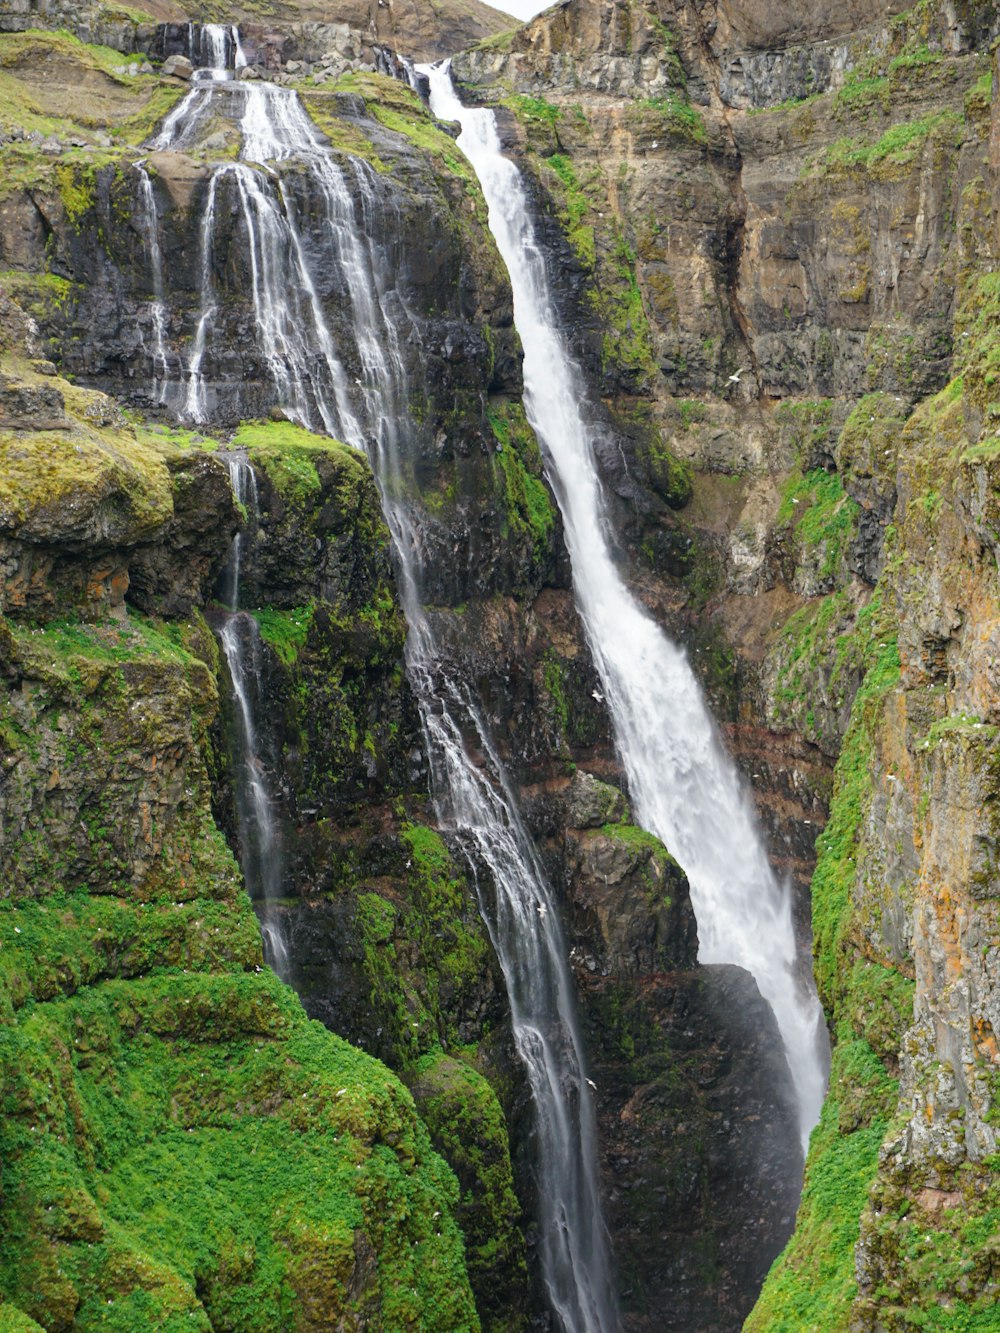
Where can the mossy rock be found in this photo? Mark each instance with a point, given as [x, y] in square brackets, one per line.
[467, 1127]
[179, 1141]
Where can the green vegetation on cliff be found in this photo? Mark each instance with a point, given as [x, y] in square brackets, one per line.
[812, 1284]
[178, 1139]
[54, 85]
[467, 1127]
[529, 510]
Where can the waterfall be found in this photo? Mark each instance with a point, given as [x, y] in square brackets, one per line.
[476, 802]
[239, 634]
[152, 235]
[217, 53]
[479, 806]
[683, 786]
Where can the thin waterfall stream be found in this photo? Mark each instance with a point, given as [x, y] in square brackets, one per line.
[475, 800]
[683, 786]
[239, 634]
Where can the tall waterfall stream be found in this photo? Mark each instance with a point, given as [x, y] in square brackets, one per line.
[683, 786]
[260, 836]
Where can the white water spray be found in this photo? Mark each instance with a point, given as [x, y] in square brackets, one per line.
[684, 787]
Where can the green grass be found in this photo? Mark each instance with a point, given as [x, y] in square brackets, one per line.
[285, 631]
[289, 455]
[679, 117]
[527, 506]
[576, 208]
[894, 151]
[811, 1285]
[182, 1147]
[822, 515]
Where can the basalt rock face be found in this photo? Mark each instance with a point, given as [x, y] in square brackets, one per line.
[276, 32]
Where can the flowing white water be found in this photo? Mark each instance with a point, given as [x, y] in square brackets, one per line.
[152, 235]
[476, 800]
[478, 803]
[684, 787]
[239, 635]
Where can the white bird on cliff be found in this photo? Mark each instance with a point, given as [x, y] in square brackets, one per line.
[596, 694]
[735, 378]
[591, 1084]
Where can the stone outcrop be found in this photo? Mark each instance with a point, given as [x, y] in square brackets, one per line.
[290, 29]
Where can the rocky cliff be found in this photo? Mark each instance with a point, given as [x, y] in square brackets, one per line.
[773, 232]
[783, 226]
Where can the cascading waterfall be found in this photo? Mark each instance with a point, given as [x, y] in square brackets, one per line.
[478, 803]
[152, 234]
[683, 786]
[239, 635]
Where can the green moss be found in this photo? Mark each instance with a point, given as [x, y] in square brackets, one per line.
[836, 845]
[822, 516]
[617, 302]
[425, 953]
[977, 342]
[679, 117]
[227, 1154]
[285, 631]
[891, 155]
[978, 101]
[467, 1127]
[534, 110]
[289, 455]
[811, 1286]
[528, 509]
[671, 476]
[90, 464]
[819, 650]
[862, 95]
[14, 1321]
[398, 108]
[959, 724]
[576, 207]
[53, 84]
[553, 678]
[345, 135]
[170, 440]
[806, 425]
[500, 41]
[637, 840]
[181, 1145]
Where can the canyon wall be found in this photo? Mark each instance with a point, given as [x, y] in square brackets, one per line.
[773, 233]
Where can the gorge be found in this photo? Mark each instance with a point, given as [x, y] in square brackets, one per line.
[387, 503]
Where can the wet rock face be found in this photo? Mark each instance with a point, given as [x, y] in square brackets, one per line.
[700, 1148]
[699, 1143]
